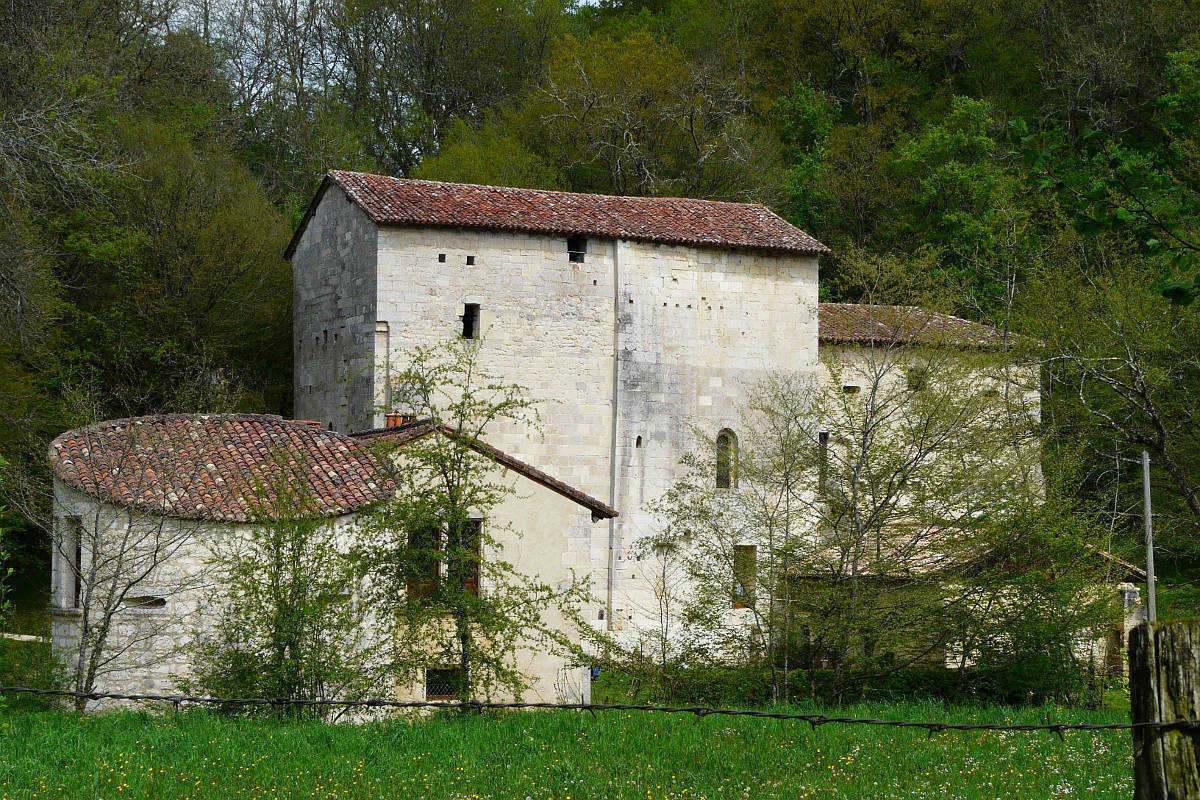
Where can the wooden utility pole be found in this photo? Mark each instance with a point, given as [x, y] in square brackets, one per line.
[1164, 686]
[1148, 522]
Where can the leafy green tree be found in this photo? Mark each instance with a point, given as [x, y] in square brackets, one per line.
[433, 560]
[631, 115]
[288, 617]
[1121, 369]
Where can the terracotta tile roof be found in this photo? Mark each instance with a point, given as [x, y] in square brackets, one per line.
[227, 467]
[410, 432]
[670, 220]
[851, 323]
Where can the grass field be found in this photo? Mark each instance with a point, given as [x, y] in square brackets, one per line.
[556, 755]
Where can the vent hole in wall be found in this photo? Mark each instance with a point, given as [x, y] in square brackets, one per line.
[144, 601]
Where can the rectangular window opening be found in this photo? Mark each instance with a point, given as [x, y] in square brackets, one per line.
[441, 258]
[470, 261]
[577, 249]
[745, 577]
[67, 557]
[470, 321]
[472, 545]
[424, 546]
[851, 388]
[443, 683]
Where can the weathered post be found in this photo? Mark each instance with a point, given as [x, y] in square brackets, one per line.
[1164, 686]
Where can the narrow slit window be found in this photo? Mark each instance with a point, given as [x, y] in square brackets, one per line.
[726, 477]
[470, 321]
[577, 249]
[145, 602]
[822, 461]
[76, 563]
[745, 574]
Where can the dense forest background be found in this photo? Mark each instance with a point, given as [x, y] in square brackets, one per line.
[1036, 160]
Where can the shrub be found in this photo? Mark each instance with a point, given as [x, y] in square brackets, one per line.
[1028, 682]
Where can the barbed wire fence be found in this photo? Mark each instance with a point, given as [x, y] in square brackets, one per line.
[813, 720]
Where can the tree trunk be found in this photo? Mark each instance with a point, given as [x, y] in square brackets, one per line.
[1164, 686]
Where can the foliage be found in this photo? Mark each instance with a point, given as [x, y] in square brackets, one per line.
[288, 619]
[1035, 681]
[901, 524]
[606, 755]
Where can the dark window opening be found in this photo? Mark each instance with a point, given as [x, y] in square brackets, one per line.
[145, 601]
[421, 578]
[745, 574]
[443, 683]
[470, 321]
[638, 443]
[851, 388]
[822, 460]
[468, 558]
[726, 460]
[577, 248]
[470, 261]
[77, 567]
[441, 258]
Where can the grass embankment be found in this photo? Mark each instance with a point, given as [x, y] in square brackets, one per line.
[556, 755]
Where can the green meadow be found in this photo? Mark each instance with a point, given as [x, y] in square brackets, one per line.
[561, 755]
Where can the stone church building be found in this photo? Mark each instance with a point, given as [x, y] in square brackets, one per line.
[634, 321]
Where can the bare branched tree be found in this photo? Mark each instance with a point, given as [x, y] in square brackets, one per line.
[119, 554]
[888, 512]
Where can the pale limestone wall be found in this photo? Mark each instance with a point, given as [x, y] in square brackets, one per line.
[333, 301]
[545, 536]
[547, 325]
[698, 328]
[693, 328]
[152, 642]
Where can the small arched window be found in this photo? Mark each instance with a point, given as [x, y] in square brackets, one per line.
[726, 459]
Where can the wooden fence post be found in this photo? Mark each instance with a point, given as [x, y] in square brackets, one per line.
[1164, 686]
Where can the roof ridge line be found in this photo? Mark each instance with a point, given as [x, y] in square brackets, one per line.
[497, 187]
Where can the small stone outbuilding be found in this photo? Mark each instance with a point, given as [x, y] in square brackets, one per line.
[138, 504]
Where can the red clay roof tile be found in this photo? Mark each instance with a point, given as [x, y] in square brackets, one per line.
[851, 323]
[225, 467]
[669, 220]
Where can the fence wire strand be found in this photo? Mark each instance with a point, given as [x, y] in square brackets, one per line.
[813, 720]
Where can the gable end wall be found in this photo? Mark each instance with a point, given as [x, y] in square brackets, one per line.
[334, 270]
